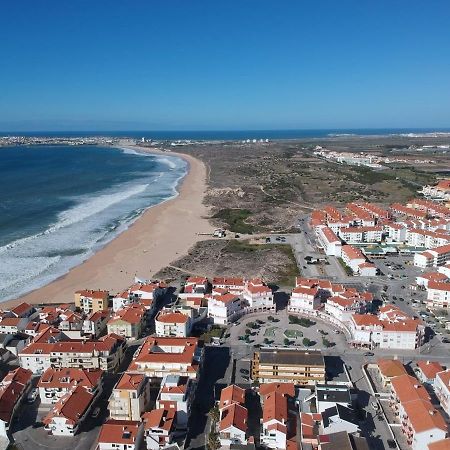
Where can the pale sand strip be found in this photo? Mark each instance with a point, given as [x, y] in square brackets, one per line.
[162, 234]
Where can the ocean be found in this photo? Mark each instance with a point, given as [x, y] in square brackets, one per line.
[59, 204]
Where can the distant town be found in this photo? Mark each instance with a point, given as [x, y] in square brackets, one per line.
[236, 362]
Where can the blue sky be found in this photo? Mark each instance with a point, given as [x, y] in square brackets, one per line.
[246, 64]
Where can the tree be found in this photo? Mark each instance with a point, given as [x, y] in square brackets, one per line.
[286, 341]
[307, 342]
[326, 342]
[213, 441]
[214, 414]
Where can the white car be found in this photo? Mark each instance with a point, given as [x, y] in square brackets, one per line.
[375, 406]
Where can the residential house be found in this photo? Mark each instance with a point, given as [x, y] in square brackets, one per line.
[89, 300]
[120, 435]
[159, 427]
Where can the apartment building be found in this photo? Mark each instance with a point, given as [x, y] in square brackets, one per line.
[391, 329]
[69, 412]
[159, 427]
[435, 257]
[234, 285]
[426, 371]
[160, 356]
[258, 296]
[427, 239]
[129, 322]
[438, 295]
[329, 241]
[55, 383]
[355, 235]
[44, 352]
[120, 435]
[285, 365]
[130, 397]
[442, 389]
[224, 308]
[172, 324]
[389, 369]
[95, 324]
[177, 392]
[89, 300]
[396, 232]
[304, 298]
[233, 417]
[13, 388]
[440, 191]
[342, 308]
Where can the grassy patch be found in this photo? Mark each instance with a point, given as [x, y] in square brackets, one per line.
[286, 277]
[347, 269]
[213, 332]
[293, 334]
[235, 219]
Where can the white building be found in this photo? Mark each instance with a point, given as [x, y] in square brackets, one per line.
[169, 324]
[391, 329]
[69, 412]
[433, 257]
[274, 423]
[354, 235]
[177, 392]
[304, 298]
[438, 295]
[352, 257]
[225, 308]
[258, 296]
[159, 427]
[120, 435]
[442, 389]
[158, 357]
[55, 383]
[232, 285]
[329, 241]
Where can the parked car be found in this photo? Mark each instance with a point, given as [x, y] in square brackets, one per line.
[96, 412]
[391, 443]
[374, 405]
[369, 354]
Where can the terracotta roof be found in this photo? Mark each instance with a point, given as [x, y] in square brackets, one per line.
[130, 381]
[226, 298]
[282, 388]
[352, 252]
[408, 388]
[430, 368]
[233, 415]
[330, 235]
[232, 282]
[423, 416]
[444, 444]
[119, 432]
[171, 317]
[231, 394]
[67, 378]
[258, 289]
[161, 418]
[275, 407]
[93, 294]
[161, 350]
[437, 285]
[433, 276]
[71, 406]
[391, 368]
[21, 309]
[133, 313]
[11, 390]
[10, 321]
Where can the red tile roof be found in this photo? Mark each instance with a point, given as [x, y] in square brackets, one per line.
[123, 432]
[171, 317]
[67, 378]
[430, 368]
[233, 415]
[231, 394]
[161, 418]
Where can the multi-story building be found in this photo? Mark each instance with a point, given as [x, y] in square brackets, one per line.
[427, 370]
[396, 232]
[44, 352]
[130, 397]
[158, 357]
[438, 295]
[391, 329]
[224, 308]
[172, 324]
[304, 298]
[55, 383]
[89, 300]
[128, 322]
[145, 294]
[342, 308]
[352, 257]
[13, 389]
[389, 369]
[442, 389]
[434, 257]
[288, 365]
[95, 324]
[328, 240]
[177, 392]
[354, 235]
[425, 238]
[69, 412]
[232, 285]
[159, 427]
[120, 435]
[258, 296]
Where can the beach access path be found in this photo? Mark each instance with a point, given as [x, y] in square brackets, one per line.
[161, 235]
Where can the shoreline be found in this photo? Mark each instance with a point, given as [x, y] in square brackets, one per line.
[150, 243]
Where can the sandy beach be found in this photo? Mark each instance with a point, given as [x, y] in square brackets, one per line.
[162, 234]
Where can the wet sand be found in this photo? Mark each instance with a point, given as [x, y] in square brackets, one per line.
[162, 234]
